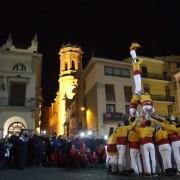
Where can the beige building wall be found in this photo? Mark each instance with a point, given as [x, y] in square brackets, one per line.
[177, 92]
[95, 81]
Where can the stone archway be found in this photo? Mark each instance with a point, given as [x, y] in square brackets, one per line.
[16, 121]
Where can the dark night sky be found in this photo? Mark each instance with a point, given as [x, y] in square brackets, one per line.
[104, 28]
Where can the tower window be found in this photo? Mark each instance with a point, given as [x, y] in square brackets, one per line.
[66, 67]
[72, 65]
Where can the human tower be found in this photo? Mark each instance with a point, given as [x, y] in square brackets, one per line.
[146, 144]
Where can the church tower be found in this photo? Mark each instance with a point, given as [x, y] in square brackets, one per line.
[70, 66]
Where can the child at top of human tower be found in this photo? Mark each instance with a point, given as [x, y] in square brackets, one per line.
[136, 67]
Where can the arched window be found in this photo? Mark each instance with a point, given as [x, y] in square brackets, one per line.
[66, 67]
[19, 67]
[72, 65]
[15, 128]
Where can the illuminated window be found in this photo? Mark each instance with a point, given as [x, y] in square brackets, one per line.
[110, 95]
[15, 128]
[19, 67]
[120, 72]
[110, 108]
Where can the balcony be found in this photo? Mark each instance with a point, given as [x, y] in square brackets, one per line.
[156, 76]
[28, 102]
[113, 116]
[163, 98]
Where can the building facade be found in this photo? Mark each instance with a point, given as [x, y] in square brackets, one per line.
[177, 91]
[108, 88]
[157, 81]
[20, 87]
[70, 70]
[104, 90]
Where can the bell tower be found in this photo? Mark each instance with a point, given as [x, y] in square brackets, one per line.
[70, 66]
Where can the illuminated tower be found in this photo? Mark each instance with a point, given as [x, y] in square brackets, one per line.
[70, 66]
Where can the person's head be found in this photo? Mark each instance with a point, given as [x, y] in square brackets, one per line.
[126, 122]
[148, 123]
[158, 127]
[111, 130]
[170, 118]
[23, 131]
[132, 119]
[120, 123]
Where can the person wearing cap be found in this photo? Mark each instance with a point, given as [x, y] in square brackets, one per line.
[161, 139]
[121, 143]
[147, 103]
[135, 101]
[136, 62]
[170, 126]
[112, 153]
[134, 144]
[146, 135]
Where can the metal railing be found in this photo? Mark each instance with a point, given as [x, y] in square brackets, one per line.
[28, 102]
[156, 76]
[113, 116]
[163, 98]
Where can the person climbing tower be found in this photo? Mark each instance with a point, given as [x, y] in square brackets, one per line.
[136, 61]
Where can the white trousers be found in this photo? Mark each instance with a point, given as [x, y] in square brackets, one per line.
[176, 152]
[113, 162]
[137, 81]
[121, 156]
[107, 157]
[143, 158]
[136, 160]
[127, 159]
[165, 152]
[149, 152]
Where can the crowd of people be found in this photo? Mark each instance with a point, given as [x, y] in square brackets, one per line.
[32, 150]
[148, 146]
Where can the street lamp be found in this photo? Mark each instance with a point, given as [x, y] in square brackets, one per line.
[89, 133]
[106, 137]
[82, 108]
[82, 134]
